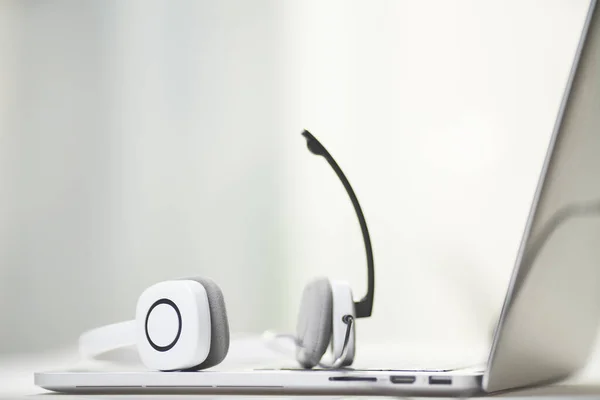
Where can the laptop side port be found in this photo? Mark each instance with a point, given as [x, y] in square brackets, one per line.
[440, 380]
[353, 378]
[403, 379]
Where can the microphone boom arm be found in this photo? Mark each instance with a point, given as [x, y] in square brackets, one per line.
[364, 307]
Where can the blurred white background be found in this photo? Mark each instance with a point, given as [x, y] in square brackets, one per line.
[147, 140]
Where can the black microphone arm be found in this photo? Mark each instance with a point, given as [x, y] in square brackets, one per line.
[364, 307]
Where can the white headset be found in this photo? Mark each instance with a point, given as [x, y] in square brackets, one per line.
[182, 324]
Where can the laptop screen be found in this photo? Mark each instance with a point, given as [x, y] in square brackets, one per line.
[552, 310]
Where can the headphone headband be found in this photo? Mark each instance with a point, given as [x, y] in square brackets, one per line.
[107, 338]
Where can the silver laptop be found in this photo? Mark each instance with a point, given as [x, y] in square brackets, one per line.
[550, 316]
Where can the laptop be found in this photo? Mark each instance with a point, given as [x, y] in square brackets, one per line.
[548, 324]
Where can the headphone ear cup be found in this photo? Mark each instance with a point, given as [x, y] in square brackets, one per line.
[314, 322]
[173, 326]
[219, 343]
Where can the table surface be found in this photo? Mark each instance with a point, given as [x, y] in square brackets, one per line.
[16, 377]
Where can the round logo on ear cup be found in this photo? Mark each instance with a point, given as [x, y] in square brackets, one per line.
[161, 318]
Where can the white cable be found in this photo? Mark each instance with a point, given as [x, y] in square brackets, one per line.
[273, 341]
[107, 338]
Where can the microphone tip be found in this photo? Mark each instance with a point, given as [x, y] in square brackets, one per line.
[312, 143]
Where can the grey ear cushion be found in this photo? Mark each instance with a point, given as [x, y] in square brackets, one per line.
[314, 322]
[219, 325]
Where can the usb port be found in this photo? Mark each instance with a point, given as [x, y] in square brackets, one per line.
[405, 379]
[440, 380]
